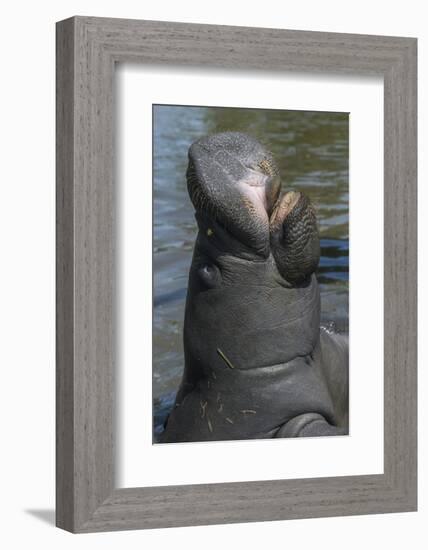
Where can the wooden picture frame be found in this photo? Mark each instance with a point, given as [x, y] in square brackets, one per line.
[87, 50]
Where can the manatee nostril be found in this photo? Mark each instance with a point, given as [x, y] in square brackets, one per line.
[234, 180]
[210, 275]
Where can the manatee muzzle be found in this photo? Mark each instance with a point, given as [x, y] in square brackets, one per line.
[234, 180]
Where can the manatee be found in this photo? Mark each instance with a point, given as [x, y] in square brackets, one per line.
[257, 363]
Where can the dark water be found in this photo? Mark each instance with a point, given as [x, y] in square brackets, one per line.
[311, 149]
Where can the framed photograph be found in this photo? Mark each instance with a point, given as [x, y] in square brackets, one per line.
[234, 288]
[236, 274]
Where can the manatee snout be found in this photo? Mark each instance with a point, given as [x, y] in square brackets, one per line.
[234, 181]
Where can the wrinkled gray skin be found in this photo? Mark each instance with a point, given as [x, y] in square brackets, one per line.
[257, 364]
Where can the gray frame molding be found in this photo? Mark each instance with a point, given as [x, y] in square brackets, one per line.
[87, 50]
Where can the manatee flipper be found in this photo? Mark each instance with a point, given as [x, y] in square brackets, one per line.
[335, 353]
[309, 425]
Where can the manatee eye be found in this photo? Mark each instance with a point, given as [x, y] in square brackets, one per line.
[210, 275]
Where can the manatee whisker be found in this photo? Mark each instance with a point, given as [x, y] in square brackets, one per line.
[268, 167]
